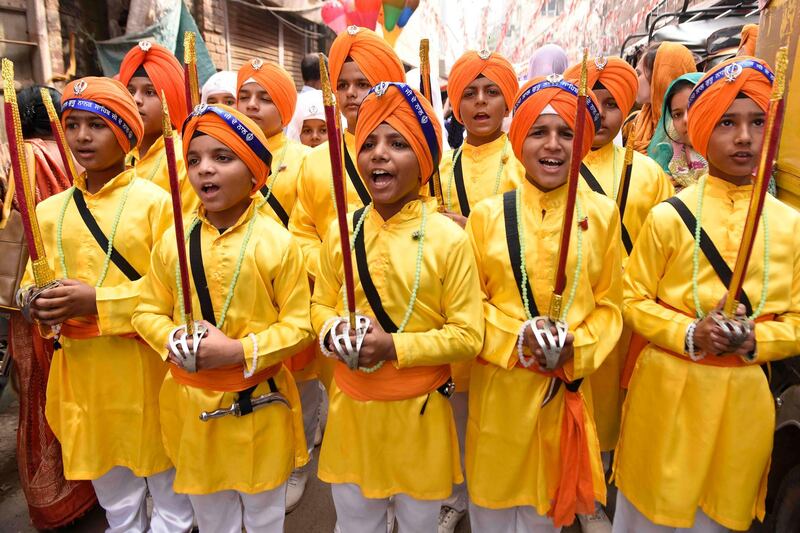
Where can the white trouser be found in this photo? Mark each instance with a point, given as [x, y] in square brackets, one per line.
[459, 401]
[628, 519]
[521, 519]
[225, 511]
[357, 514]
[122, 495]
[310, 398]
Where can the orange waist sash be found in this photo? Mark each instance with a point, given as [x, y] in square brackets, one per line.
[223, 379]
[301, 359]
[389, 383]
[87, 328]
[575, 492]
[638, 344]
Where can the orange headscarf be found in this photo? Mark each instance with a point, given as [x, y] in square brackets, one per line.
[747, 46]
[394, 103]
[615, 74]
[672, 60]
[373, 55]
[561, 95]
[273, 79]
[716, 91]
[473, 64]
[164, 71]
[111, 101]
[236, 131]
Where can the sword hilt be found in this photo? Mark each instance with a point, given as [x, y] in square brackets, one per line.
[236, 410]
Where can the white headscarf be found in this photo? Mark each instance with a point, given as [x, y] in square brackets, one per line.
[223, 82]
[309, 107]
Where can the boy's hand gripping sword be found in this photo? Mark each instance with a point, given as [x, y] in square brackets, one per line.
[552, 344]
[342, 343]
[178, 337]
[43, 275]
[738, 328]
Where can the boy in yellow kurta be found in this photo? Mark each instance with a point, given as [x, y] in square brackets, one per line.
[358, 60]
[266, 94]
[390, 431]
[149, 69]
[482, 86]
[251, 287]
[615, 84]
[530, 466]
[698, 419]
[102, 393]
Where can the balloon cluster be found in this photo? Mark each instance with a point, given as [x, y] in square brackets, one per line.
[392, 14]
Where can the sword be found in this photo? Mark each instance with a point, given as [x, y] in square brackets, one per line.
[342, 343]
[58, 135]
[737, 330]
[425, 89]
[235, 408]
[43, 275]
[179, 336]
[191, 82]
[625, 178]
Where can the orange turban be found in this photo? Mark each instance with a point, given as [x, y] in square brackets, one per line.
[373, 55]
[164, 71]
[716, 91]
[615, 74]
[273, 79]
[237, 132]
[562, 96]
[747, 46]
[408, 112]
[473, 64]
[111, 101]
[672, 60]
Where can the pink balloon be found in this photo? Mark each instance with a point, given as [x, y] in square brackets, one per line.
[339, 24]
[333, 14]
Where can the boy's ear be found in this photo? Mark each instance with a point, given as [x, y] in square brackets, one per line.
[507, 112]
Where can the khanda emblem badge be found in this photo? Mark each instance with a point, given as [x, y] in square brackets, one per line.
[352, 30]
[199, 109]
[485, 54]
[145, 46]
[80, 87]
[732, 72]
[554, 78]
[257, 63]
[380, 89]
[600, 62]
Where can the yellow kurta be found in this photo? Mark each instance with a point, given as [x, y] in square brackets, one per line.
[315, 208]
[256, 452]
[287, 162]
[513, 444]
[152, 166]
[388, 447]
[696, 435]
[480, 165]
[649, 186]
[102, 392]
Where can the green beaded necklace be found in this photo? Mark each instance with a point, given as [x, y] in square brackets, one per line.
[420, 236]
[696, 256]
[496, 177]
[274, 175]
[229, 296]
[114, 226]
[524, 288]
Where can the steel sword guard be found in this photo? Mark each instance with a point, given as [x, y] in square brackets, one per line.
[235, 409]
[342, 343]
[550, 344]
[736, 329]
[179, 346]
[26, 296]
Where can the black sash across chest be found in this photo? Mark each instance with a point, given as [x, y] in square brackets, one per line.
[593, 184]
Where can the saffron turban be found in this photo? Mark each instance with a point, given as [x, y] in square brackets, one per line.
[164, 71]
[373, 55]
[490, 65]
[111, 101]
[562, 96]
[408, 112]
[716, 91]
[615, 74]
[237, 132]
[273, 79]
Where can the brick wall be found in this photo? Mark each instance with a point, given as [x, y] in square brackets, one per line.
[210, 18]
